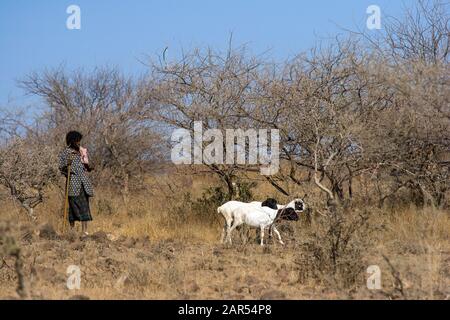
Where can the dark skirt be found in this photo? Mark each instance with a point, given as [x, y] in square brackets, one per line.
[79, 209]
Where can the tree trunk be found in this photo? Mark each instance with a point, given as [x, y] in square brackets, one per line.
[126, 191]
[338, 191]
[230, 187]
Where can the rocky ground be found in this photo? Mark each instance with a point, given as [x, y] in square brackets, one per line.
[129, 268]
[138, 268]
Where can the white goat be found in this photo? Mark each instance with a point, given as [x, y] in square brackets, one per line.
[253, 214]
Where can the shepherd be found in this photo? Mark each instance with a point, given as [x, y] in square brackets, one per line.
[74, 165]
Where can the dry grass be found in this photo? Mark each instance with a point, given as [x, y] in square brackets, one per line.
[157, 248]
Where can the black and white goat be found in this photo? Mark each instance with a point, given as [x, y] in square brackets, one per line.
[272, 203]
[253, 214]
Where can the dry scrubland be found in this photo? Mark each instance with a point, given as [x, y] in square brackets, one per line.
[363, 124]
[162, 248]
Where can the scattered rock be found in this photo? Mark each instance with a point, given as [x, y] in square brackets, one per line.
[146, 257]
[192, 286]
[117, 225]
[111, 237]
[129, 242]
[243, 290]
[273, 295]
[250, 280]
[137, 276]
[79, 297]
[71, 236]
[39, 259]
[184, 296]
[220, 268]
[143, 242]
[439, 295]
[121, 239]
[47, 246]
[121, 281]
[258, 289]
[105, 252]
[46, 273]
[78, 246]
[100, 237]
[48, 232]
[283, 275]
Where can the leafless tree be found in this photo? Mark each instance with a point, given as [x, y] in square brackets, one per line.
[110, 111]
[361, 107]
[210, 87]
[27, 168]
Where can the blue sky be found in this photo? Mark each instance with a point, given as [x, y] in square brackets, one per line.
[33, 33]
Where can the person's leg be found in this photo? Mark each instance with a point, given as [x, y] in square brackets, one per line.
[71, 215]
[84, 227]
[86, 216]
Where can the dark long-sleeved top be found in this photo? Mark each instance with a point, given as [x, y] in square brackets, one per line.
[79, 180]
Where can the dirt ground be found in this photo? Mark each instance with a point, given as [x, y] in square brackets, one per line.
[130, 268]
[139, 268]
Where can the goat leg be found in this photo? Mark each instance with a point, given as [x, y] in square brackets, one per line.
[262, 236]
[278, 235]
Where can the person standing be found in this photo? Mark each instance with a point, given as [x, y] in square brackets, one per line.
[80, 187]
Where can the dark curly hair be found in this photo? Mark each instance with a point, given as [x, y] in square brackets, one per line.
[72, 137]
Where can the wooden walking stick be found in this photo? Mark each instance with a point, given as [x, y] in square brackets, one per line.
[66, 200]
